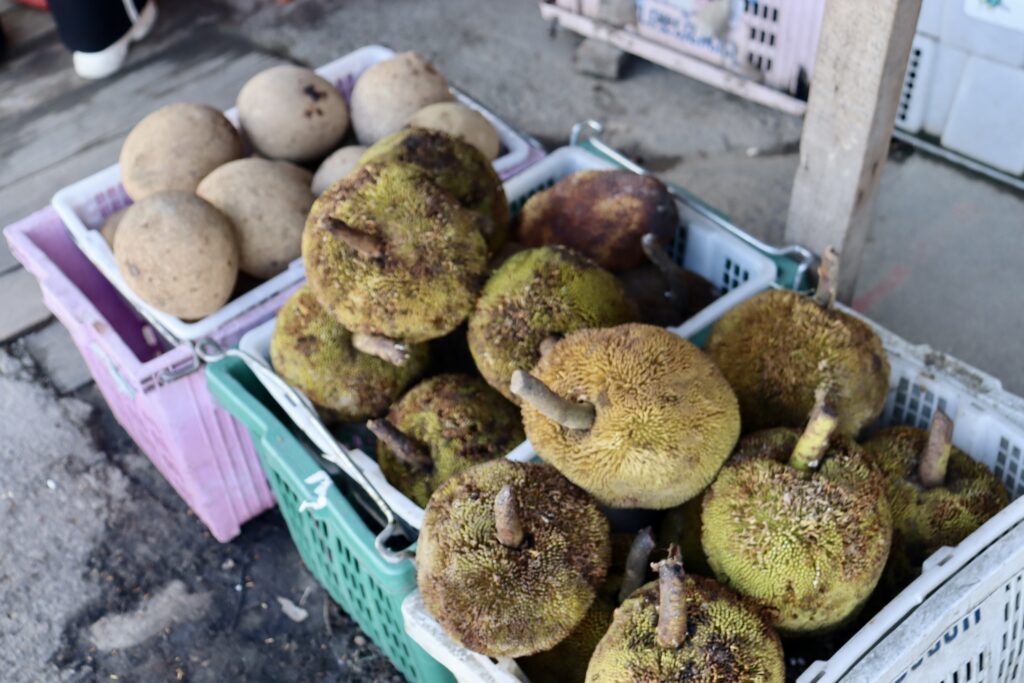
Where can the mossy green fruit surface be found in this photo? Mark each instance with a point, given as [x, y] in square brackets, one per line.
[779, 346]
[311, 351]
[664, 418]
[461, 422]
[506, 597]
[925, 519]
[389, 253]
[538, 294]
[810, 545]
[457, 167]
[726, 641]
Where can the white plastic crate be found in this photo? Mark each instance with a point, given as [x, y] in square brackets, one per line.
[920, 635]
[724, 260]
[917, 84]
[86, 204]
[986, 119]
[776, 39]
[947, 69]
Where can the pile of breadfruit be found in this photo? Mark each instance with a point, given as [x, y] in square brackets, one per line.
[210, 221]
[771, 525]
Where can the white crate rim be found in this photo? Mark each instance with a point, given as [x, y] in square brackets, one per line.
[107, 183]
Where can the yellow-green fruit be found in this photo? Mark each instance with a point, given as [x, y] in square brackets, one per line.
[924, 520]
[778, 347]
[457, 167]
[313, 353]
[682, 526]
[388, 252]
[809, 546]
[460, 420]
[505, 601]
[536, 294]
[665, 418]
[727, 641]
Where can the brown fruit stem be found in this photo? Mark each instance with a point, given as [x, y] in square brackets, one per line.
[673, 274]
[828, 279]
[404, 448]
[386, 349]
[820, 426]
[548, 343]
[506, 518]
[569, 414]
[365, 244]
[636, 562]
[931, 469]
[671, 631]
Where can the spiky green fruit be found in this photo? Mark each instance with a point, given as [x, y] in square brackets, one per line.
[538, 294]
[727, 641]
[389, 253]
[311, 351]
[505, 601]
[778, 347]
[926, 519]
[810, 546]
[458, 167]
[459, 420]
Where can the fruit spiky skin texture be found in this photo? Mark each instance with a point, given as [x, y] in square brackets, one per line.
[809, 546]
[462, 422]
[511, 602]
[727, 641]
[431, 263]
[535, 294]
[313, 353]
[601, 214]
[665, 422]
[778, 347]
[924, 520]
[458, 168]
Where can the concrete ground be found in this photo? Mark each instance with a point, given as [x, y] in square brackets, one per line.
[103, 571]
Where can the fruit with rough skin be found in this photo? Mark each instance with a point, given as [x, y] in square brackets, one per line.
[601, 214]
[808, 544]
[510, 557]
[634, 414]
[389, 253]
[779, 346]
[457, 167]
[928, 518]
[311, 351]
[459, 421]
[716, 635]
[538, 294]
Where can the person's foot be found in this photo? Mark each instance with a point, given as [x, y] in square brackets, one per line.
[101, 64]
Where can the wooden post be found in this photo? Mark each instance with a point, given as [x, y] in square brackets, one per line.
[855, 90]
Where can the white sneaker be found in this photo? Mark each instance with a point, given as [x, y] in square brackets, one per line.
[94, 65]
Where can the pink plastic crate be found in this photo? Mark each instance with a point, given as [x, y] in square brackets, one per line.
[205, 454]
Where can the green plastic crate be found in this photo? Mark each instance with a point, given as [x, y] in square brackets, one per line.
[334, 541]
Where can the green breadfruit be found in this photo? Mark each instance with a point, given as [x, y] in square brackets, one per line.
[684, 628]
[535, 295]
[928, 518]
[457, 167]
[634, 414]
[807, 541]
[311, 351]
[455, 421]
[389, 253]
[510, 557]
[778, 347]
